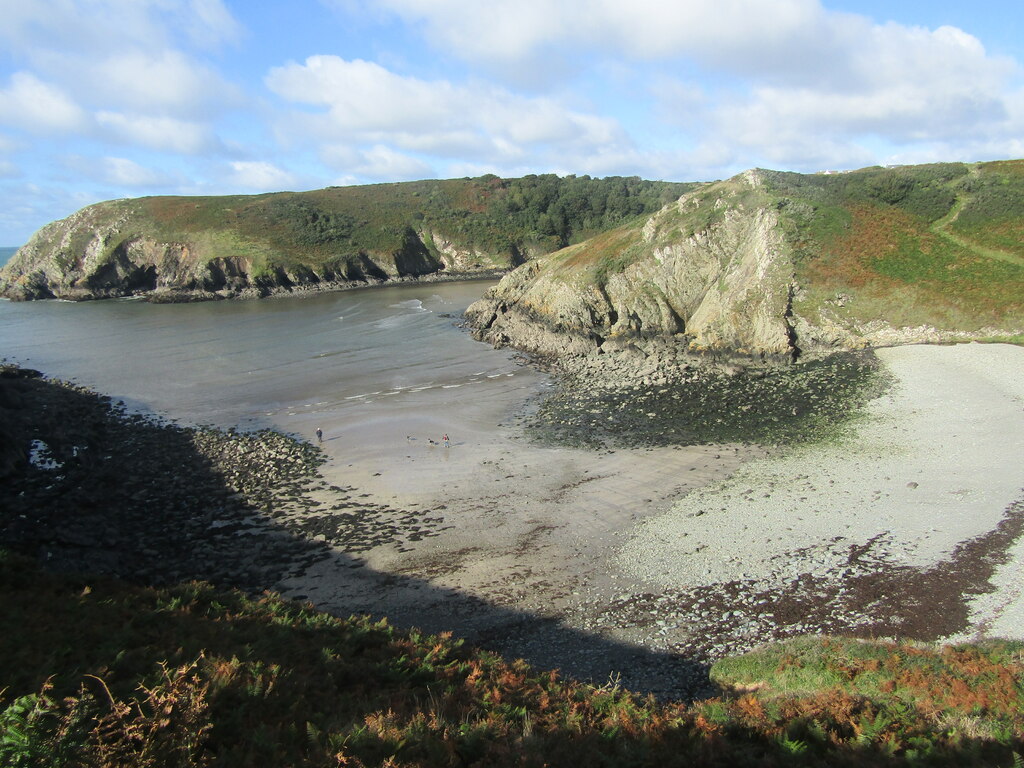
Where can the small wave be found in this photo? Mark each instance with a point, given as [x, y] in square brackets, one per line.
[395, 321]
[410, 304]
[364, 394]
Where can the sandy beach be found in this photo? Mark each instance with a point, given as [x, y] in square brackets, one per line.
[651, 562]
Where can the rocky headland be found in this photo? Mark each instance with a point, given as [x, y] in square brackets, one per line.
[201, 248]
[754, 270]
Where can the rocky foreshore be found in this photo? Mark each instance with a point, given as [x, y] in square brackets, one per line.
[659, 394]
[37, 288]
[650, 561]
[90, 487]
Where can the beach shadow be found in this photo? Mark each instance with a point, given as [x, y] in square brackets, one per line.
[89, 488]
[155, 503]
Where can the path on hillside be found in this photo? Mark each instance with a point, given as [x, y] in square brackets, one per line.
[941, 228]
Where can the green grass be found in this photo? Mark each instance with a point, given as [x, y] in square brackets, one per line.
[939, 245]
[869, 236]
[498, 218]
[97, 672]
[964, 690]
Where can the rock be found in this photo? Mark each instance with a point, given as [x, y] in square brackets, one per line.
[728, 287]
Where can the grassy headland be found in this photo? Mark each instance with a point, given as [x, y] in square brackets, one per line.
[938, 244]
[196, 246]
[941, 244]
[488, 213]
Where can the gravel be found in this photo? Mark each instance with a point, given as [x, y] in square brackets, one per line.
[930, 476]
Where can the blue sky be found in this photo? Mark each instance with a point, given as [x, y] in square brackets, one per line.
[101, 99]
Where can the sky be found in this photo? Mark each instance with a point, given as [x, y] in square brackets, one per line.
[104, 99]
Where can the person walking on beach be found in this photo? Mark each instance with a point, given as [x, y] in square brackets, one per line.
[319, 435]
[447, 442]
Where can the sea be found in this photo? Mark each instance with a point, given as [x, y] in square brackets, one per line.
[282, 363]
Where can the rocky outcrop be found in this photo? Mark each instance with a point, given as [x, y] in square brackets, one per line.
[724, 287]
[103, 251]
[733, 272]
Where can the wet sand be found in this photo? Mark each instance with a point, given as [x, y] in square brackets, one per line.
[524, 525]
[694, 552]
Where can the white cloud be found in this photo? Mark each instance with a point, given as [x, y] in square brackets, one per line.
[43, 29]
[124, 55]
[164, 81]
[514, 31]
[258, 175]
[165, 134]
[377, 163]
[209, 24]
[900, 85]
[115, 171]
[777, 78]
[364, 102]
[127, 173]
[879, 85]
[30, 103]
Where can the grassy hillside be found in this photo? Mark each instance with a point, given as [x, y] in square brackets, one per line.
[938, 244]
[97, 672]
[497, 217]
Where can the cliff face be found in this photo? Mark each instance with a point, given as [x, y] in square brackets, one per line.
[724, 287]
[769, 266]
[207, 247]
[102, 252]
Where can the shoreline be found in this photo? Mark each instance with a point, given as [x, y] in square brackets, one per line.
[170, 295]
[533, 550]
[547, 528]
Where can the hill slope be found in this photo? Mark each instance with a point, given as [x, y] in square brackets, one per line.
[175, 248]
[770, 264]
[191, 676]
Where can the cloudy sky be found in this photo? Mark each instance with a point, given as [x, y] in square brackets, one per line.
[102, 99]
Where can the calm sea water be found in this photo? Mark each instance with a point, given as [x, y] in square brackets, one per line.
[270, 362]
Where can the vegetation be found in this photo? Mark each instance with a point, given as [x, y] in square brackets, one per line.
[908, 698]
[803, 403]
[939, 244]
[499, 218]
[192, 676]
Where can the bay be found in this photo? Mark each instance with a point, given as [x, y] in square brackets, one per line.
[285, 362]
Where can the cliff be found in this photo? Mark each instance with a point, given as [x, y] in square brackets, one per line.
[101, 252]
[187, 248]
[770, 265]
